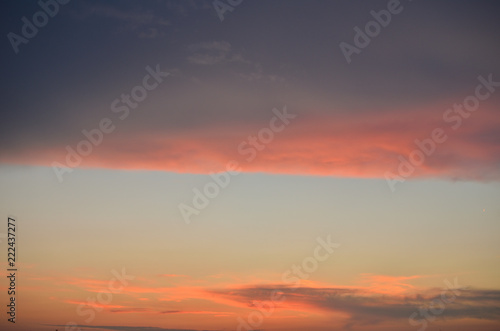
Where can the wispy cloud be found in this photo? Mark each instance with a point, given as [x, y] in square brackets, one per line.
[221, 52]
[144, 23]
[378, 299]
[128, 328]
[182, 8]
[364, 306]
[134, 18]
[211, 53]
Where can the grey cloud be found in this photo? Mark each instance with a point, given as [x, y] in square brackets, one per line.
[369, 309]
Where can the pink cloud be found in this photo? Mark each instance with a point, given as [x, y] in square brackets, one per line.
[344, 145]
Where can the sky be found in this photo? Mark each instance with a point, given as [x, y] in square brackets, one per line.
[250, 165]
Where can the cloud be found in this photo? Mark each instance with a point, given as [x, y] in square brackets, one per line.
[222, 53]
[144, 23]
[182, 8]
[220, 46]
[151, 33]
[380, 299]
[215, 52]
[207, 59]
[364, 306]
[341, 145]
[130, 310]
[93, 304]
[127, 328]
[133, 17]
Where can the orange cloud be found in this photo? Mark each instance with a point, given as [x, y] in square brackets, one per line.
[344, 145]
[391, 285]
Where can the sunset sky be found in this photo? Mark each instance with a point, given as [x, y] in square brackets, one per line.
[233, 165]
